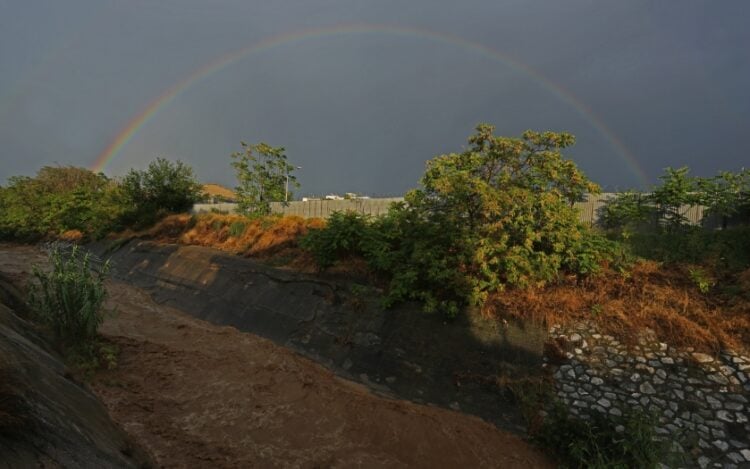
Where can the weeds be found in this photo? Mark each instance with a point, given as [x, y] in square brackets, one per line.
[602, 442]
[69, 298]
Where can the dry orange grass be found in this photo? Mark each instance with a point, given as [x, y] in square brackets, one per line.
[262, 237]
[71, 236]
[661, 298]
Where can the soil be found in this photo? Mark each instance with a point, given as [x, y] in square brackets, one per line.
[195, 394]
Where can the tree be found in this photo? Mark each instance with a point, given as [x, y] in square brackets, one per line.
[263, 174]
[677, 189]
[59, 199]
[511, 199]
[163, 187]
[497, 215]
[726, 194]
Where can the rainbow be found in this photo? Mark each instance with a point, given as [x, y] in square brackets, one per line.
[132, 127]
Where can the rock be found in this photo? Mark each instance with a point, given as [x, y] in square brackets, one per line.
[746, 454]
[703, 358]
[713, 402]
[679, 393]
[597, 381]
[390, 379]
[635, 377]
[646, 388]
[615, 411]
[575, 338]
[719, 379]
[725, 416]
[736, 457]
[721, 444]
[667, 360]
[734, 406]
[703, 462]
[455, 406]
[604, 403]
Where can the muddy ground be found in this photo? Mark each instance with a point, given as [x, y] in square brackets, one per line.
[195, 394]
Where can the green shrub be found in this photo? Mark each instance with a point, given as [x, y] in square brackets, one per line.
[498, 215]
[345, 234]
[69, 298]
[597, 443]
[722, 250]
[237, 228]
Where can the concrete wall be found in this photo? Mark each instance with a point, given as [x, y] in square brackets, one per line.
[324, 208]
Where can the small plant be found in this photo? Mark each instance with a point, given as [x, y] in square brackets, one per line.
[70, 297]
[701, 279]
[217, 224]
[596, 309]
[603, 442]
[236, 229]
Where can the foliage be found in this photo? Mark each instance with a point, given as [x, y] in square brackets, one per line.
[702, 280]
[237, 228]
[498, 215]
[676, 190]
[726, 194]
[627, 210]
[69, 298]
[346, 234]
[57, 200]
[721, 250]
[597, 443]
[164, 187]
[263, 174]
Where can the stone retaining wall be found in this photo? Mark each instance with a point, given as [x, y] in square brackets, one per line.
[701, 400]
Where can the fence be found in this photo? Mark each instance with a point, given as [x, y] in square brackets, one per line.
[324, 208]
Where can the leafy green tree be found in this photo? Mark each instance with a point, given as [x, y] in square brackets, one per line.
[726, 194]
[497, 215]
[625, 210]
[56, 200]
[264, 175]
[511, 199]
[164, 186]
[677, 189]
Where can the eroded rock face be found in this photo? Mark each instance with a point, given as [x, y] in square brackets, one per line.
[702, 401]
[47, 420]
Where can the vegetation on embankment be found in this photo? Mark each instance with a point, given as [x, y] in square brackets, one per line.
[493, 226]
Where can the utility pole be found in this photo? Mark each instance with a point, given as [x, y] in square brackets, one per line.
[286, 190]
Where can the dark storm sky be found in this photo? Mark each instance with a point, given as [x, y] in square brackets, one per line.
[363, 111]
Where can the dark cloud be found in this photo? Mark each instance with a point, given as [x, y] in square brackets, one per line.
[363, 112]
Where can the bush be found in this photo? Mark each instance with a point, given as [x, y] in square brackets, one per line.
[236, 229]
[596, 443]
[69, 298]
[495, 216]
[345, 234]
[59, 200]
[164, 187]
[721, 250]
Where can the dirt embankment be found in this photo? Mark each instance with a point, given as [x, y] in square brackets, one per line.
[47, 419]
[199, 395]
